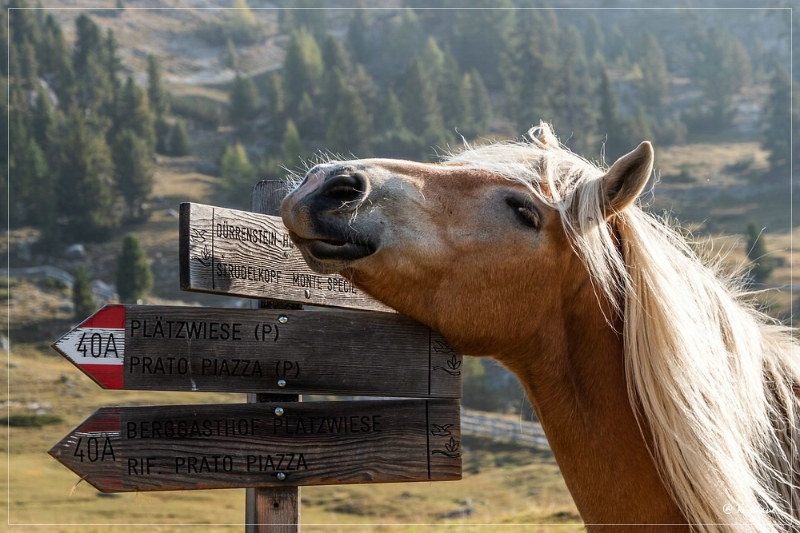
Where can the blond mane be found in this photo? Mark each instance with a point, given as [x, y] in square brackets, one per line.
[710, 379]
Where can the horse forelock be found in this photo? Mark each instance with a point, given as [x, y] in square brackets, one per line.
[710, 378]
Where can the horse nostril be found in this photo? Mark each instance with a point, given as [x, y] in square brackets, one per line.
[343, 188]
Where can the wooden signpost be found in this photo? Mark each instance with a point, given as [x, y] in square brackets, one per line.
[275, 443]
[150, 347]
[184, 447]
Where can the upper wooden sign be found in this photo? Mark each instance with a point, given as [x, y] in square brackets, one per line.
[267, 444]
[150, 347]
[239, 253]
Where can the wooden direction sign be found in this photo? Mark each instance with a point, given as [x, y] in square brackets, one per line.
[178, 447]
[260, 350]
[239, 253]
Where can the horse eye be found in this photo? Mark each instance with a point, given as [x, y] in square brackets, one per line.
[526, 212]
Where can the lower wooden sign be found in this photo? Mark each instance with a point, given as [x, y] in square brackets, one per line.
[180, 447]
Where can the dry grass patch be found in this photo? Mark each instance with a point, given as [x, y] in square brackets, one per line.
[707, 161]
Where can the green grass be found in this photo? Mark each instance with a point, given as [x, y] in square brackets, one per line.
[30, 420]
[513, 485]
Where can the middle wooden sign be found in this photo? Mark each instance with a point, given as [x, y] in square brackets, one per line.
[147, 347]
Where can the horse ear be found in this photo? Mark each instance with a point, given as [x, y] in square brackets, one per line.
[543, 135]
[626, 178]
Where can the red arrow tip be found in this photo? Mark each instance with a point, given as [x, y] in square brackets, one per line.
[108, 376]
[110, 316]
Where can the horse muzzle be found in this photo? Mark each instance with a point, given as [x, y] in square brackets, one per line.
[320, 215]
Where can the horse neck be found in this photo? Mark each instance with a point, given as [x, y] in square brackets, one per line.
[575, 379]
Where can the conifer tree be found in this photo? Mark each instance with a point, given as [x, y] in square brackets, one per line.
[529, 68]
[31, 185]
[243, 100]
[23, 37]
[29, 66]
[230, 57]
[617, 46]
[55, 62]
[156, 93]
[13, 62]
[307, 117]
[42, 121]
[4, 42]
[609, 125]
[308, 15]
[655, 79]
[639, 128]
[392, 117]
[335, 56]
[135, 175]
[133, 113]
[350, 128]
[22, 22]
[357, 31]
[179, 143]
[780, 123]
[421, 110]
[85, 183]
[364, 85]
[399, 45]
[19, 109]
[292, 150]
[395, 140]
[4, 155]
[273, 94]
[431, 58]
[163, 131]
[82, 299]
[94, 89]
[481, 35]
[302, 69]
[454, 96]
[134, 277]
[595, 39]
[721, 68]
[572, 101]
[238, 175]
[480, 104]
[335, 60]
[113, 64]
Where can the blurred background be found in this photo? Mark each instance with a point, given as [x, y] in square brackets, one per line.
[118, 113]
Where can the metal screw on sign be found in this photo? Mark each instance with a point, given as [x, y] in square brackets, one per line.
[279, 411]
[281, 476]
[283, 319]
[281, 383]
[308, 293]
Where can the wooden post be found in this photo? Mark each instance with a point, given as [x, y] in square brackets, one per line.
[272, 510]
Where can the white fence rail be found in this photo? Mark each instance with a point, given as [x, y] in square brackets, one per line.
[477, 423]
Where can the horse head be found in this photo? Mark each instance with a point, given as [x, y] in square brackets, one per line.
[470, 252]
